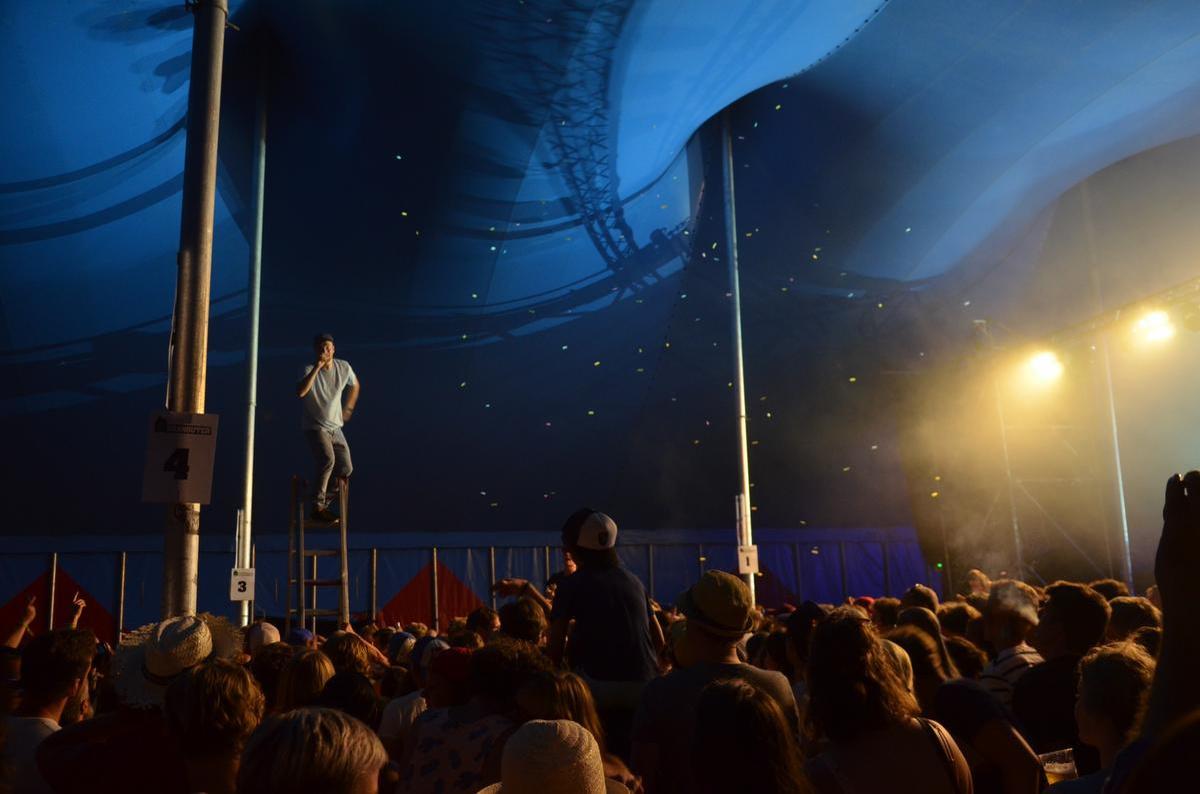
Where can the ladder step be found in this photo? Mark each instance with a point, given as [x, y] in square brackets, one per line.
[321, 552]
[316, 613]
[319, 582]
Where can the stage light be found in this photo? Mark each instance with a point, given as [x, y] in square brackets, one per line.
[1043, 368]
[1153, 327]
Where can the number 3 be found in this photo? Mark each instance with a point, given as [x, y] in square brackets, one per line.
[242, 586]
[178, 463]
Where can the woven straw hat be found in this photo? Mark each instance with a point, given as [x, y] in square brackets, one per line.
[151, 657]
[553, 757]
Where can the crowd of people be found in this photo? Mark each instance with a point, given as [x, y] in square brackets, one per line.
[590, 686]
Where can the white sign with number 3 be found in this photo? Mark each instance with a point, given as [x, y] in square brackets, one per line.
[241, 584]
[179, 458]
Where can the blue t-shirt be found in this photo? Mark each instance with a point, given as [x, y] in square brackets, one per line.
[323, 403]
[611, 639]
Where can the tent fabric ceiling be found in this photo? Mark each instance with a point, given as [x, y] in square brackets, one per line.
[501, 204]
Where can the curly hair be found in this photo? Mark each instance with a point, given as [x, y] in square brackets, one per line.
[309, 751]
[523, 619]
[213, 708]
[853, 684]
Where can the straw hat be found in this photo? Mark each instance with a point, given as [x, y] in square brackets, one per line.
[553, 757]
[151, 657]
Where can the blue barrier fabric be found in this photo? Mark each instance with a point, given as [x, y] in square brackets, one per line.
[825, 565]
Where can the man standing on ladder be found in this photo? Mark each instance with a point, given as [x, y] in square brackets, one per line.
[321, 387]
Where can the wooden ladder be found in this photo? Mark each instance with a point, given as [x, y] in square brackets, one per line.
[303, 570]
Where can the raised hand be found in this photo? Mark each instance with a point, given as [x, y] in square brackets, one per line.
[79, 607]
[1178, 556]
[30, 612]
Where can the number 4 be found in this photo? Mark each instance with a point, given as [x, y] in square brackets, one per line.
[178, 463]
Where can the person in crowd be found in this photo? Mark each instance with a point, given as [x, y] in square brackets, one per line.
[775, 654]
[399, 647]
[886, 613]
[484, 621]
[211, 710]
[465, 638]
[302, 680]
[267, 666]
[523, 619]
[1150, 638]
[300, 637]
[400, 713]
[799, 628]
[718, 613]
[737, 720]
[449, 681]
[920, 595]
[978, 582]
[869, 722]
[353, 693]
[1114, 682]
[329, 389]
[1110, 588]
[349, 653]
[457, 750]
[969, 658]
[927, 622]
[1164, 752]
[553, 757]
[382, 637]
[1072, 620]
[54, 674]
[614, 638]
[1011, 613]
[132, 749]
[559, 695]
[955, 616]
[1130, 613]
[1000, 759]
[311, 751]
[258, 634]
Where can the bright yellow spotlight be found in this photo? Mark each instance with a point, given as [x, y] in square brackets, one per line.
[1153, 327]
[1044, 368]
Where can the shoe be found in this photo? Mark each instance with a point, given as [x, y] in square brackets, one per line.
[323, 515]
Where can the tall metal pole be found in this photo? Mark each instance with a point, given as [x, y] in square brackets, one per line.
[1127, 557]
[745, 530]
[189, 328]
[252, 308]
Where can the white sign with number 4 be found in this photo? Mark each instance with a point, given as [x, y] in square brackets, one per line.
[179, 458]
[241, 584]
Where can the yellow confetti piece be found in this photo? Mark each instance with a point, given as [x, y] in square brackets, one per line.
[462, 385]
[777, 107]
[595, 363]
[403, 214]
[845, 469]
[591, 413]
[853, 379]
[934, 495]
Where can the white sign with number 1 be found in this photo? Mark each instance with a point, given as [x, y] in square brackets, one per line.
[179, 458]
[241, 584]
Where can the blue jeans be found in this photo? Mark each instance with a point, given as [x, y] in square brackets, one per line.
[332, 455]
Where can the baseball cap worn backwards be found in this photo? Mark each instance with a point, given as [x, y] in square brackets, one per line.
[718, 604]
[590, 529]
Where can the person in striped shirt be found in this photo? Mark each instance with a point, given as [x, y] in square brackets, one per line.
[1012, 612]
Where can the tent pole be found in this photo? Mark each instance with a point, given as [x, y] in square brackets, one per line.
[745, 531]
[252, 307]
[189, 325]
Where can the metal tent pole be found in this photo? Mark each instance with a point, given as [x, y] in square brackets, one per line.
[189, 327]
[746, 532]
[252, 308]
